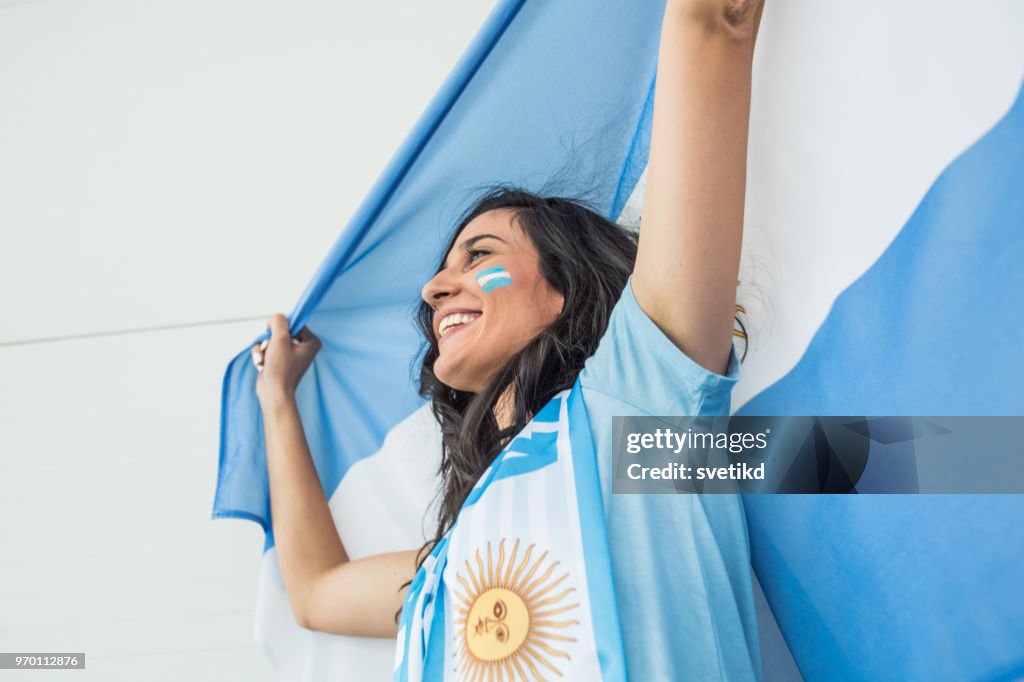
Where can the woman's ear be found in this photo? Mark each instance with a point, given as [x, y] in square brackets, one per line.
[558, 303]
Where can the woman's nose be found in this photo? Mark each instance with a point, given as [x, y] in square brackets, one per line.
[440, 286]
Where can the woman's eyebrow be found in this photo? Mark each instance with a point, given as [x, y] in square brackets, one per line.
[473, 240]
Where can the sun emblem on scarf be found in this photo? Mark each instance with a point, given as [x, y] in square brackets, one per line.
[512, 616]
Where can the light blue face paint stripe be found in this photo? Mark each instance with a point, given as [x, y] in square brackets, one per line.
[493, 278]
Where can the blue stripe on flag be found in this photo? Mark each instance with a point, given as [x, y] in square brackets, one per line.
[434, 664]
[604, 613]
[481, 128]
[912, 587]
[638, 147]
[538, 451]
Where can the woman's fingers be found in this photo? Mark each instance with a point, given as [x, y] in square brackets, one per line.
[257, 359]
[278, 327]
[305, 335]
[258, 352]
[308, 345]
[305, 342]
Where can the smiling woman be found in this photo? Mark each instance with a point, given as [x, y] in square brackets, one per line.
[477, 319]
[543, 320]
[531, 338]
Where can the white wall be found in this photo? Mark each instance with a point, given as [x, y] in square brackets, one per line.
[165, 163]
[175, 162]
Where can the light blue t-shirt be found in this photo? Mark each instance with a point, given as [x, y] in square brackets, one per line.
[680, 563]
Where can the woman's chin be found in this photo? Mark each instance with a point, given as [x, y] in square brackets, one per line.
[452, 377]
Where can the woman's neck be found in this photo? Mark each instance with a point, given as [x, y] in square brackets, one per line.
[504, 407]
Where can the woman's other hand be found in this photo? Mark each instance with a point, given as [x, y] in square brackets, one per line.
[284, 361]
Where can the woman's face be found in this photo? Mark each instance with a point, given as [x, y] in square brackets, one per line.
[489, 300]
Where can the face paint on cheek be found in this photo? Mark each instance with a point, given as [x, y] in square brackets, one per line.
[493, 278]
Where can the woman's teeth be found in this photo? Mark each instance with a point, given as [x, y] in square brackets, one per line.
[455, 319]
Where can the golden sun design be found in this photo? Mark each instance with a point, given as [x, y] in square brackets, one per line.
[511, 618]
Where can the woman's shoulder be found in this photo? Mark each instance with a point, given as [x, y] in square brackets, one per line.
[636, 363]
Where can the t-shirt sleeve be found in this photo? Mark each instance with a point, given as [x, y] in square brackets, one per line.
[637, 364]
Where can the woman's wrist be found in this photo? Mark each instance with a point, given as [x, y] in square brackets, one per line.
[279, 402]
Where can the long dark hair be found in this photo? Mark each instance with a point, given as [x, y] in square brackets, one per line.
[585, 257]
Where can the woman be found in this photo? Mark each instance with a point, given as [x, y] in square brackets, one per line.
[537, 296]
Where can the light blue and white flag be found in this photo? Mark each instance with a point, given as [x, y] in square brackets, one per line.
[882, 275]
[529, 103]
[509, 595]
[900, 586]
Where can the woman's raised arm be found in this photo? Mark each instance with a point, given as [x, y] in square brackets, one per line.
[326, 590]
[692, 218]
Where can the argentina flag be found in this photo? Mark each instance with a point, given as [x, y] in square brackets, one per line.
[509, 595]
[881, 276]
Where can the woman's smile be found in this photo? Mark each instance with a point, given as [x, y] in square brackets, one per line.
[454, 322]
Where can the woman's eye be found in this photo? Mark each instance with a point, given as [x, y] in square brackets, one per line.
[476, 253]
